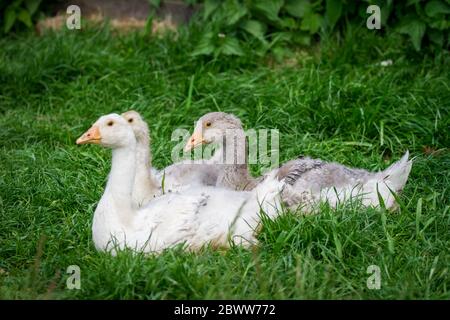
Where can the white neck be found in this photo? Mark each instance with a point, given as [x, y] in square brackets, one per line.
[116, 203]
[145, 185]
[115, 213]
[121, 177]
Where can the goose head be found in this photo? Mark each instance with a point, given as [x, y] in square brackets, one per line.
[137, 123]
[212, 128]
[110, 131]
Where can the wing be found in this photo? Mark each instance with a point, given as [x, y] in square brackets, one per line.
[168, 220]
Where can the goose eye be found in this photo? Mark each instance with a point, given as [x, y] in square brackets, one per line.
[208, 124]
[110, 123]
[130, 120]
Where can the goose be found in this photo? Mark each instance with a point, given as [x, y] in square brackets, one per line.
[194, 216]
[307, 181]
[148, 180]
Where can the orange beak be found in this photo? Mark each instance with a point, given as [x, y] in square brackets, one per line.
[195, 140]
[91, 136]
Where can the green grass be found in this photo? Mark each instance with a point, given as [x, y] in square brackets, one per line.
[335, 103]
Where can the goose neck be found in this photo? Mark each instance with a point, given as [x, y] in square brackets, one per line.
[144, 177]
[121, 178]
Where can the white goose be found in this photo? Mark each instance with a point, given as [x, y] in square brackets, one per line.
[308, 181]
[196, 216]
[176, 176]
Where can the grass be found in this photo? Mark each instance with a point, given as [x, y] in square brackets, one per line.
[335, 103]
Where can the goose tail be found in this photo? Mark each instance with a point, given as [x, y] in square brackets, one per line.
[385, 182]
[397, 174]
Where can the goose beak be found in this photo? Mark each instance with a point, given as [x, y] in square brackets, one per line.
[91, 136]
[195, 140]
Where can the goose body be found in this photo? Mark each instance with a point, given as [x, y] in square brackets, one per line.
[188, 172]
[193, 216]
[308, 181]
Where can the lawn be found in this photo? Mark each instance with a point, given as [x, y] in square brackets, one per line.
[332, 101]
